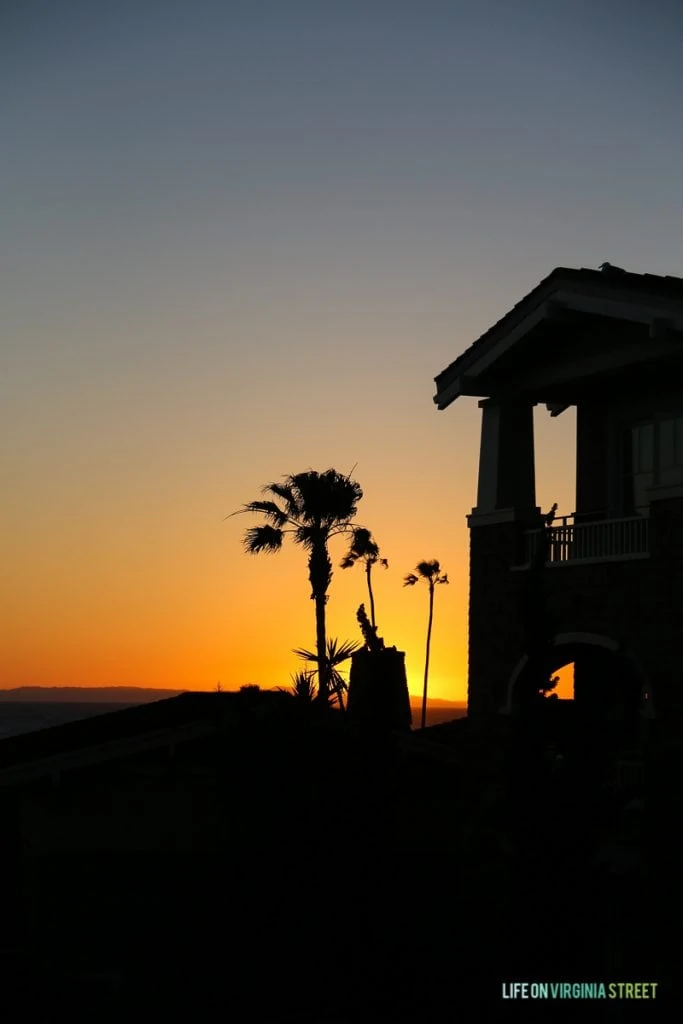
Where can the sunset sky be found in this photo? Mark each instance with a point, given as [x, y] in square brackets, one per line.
[239, 240]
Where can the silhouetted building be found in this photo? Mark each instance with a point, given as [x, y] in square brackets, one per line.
[612, 346]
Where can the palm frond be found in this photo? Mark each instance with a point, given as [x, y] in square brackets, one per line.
[263, 538]
[428, 569]
[269, 509]
[361, 546]
[286, 492]
[362, 543]
[327, 498]
[303, 686]
[336, 652]
[305, 655]
[338, 682]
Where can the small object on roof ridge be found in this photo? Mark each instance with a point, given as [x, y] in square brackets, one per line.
[608, 268]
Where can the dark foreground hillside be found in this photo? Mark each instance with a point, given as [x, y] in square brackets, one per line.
[268, 863]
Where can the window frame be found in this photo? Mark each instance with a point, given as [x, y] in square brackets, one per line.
[658, 471]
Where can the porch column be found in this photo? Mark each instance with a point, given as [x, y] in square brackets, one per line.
[507, 479]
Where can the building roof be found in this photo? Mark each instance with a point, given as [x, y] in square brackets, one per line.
[611, 292]
[166, 724]
[161, 723]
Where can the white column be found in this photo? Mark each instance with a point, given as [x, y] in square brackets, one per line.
[507, 480]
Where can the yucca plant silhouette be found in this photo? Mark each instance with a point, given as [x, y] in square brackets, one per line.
[372, 641]
[303, 687]
[336, 655]
[312, 507]
[365, 550]
[431, 573]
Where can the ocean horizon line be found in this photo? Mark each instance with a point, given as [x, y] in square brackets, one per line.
[15, 692]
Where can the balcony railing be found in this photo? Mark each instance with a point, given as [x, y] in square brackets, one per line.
[592, 541]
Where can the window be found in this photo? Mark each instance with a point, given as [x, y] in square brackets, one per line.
[651, 456]
[638, 457]
[670, 452]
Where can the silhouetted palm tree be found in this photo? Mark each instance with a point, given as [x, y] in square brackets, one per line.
[336, 655]
[313, 507]
[431, 573]
[364, 549]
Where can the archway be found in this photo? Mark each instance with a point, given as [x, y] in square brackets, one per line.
[580, 650]
[611, 699]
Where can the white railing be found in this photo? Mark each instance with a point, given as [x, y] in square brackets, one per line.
[595, 541]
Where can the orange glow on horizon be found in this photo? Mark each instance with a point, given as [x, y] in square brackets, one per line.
[100, 623]
[122, 570]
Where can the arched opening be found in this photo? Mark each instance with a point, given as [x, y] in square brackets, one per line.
[600, 703]
[564, 689]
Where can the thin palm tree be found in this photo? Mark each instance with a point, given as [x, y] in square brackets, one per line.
[431, 573]
[312, 507]
[364, 549]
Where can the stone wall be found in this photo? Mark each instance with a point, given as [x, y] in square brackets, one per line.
[495, 614]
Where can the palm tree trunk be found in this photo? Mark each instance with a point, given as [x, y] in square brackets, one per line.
[429, 640]
[319, 574]
[368, 573]
[321, 646]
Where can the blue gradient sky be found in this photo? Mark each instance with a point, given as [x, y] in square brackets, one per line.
[239, 240]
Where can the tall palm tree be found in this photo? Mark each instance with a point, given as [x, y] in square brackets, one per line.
[364, 549]
[313, 507]
[431, 573]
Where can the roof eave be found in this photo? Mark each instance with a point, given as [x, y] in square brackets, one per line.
[448, 395]
[660, 314]
[501, 339]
